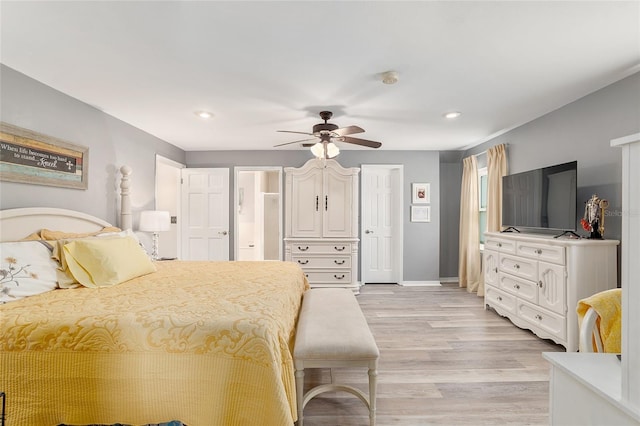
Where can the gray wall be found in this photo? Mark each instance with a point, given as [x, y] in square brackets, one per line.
[27, 103]
[450, 183]
[421, 240]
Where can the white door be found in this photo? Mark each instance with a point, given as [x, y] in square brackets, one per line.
[205, 213]
[381, 224]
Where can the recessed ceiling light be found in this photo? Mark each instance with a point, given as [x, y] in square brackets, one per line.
[390, 77]
[204, 114]
[453, 114]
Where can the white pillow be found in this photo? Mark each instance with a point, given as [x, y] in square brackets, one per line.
[26, 269]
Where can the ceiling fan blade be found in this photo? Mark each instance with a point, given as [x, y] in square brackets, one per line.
[363, 142]
[349, 130]
[290, 131]
[289, 143]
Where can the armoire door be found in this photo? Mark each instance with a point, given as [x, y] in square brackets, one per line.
[306, 204]
[337, 204]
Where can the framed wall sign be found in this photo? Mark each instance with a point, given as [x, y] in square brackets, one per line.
[421, 193]
[30, 157]
[420, 213]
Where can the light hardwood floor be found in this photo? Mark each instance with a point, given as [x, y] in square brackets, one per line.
[444, 360]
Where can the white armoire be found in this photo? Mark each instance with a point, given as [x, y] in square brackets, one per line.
[321, 222]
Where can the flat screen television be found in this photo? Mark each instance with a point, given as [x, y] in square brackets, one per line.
[543, 198]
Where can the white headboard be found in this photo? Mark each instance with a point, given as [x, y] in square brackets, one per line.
[16, 224]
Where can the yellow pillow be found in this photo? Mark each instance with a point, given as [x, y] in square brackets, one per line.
[104, 262]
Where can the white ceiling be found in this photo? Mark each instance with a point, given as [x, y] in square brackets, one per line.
[264, 66]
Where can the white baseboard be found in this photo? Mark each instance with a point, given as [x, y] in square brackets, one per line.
[420, 283]
[449, 279]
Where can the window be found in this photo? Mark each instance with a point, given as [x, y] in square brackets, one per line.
[482, 203]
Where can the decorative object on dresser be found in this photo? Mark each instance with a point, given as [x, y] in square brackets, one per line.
[321, 222]
[537, 280]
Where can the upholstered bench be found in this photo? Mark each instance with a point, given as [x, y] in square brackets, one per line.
[332, 332]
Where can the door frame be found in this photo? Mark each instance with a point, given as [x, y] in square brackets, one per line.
[236, 201]
[398, 233]
[175, 203]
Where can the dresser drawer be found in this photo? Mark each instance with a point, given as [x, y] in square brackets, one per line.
[524, 289]
[497, 244]
[519, 266]
[333, 262]
[335, 277]
[553, 254]
[319, 248]
[497, 298]
[551, 323]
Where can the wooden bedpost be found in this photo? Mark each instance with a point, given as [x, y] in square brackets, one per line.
[125, 201]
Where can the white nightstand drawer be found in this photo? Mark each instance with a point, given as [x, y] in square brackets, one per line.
[524, 289]
[503, 246]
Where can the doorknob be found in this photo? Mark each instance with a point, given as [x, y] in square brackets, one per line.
[368, 231]
[223, 232]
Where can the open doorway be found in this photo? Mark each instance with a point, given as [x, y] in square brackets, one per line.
[258, 213]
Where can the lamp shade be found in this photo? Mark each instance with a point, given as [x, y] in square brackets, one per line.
[154, 221]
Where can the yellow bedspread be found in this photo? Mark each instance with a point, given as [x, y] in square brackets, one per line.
[206, 343]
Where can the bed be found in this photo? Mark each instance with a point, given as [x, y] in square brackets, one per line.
[203, 343]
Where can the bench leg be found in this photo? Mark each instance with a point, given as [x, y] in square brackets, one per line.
[300, 395]
[373, 383]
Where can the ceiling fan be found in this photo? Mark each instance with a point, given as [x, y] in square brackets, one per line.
[325, 134]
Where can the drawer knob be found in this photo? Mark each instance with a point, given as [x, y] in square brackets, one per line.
[516, 286]
[339, 277]
[303, 248]
[341, 262]
[340, 248]
[516, 266]
[499, 298]
[539, 317]
[499, 244]
[303, 262]
[538, 251]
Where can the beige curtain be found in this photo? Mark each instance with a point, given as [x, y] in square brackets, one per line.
[469, 258]
[496, 168]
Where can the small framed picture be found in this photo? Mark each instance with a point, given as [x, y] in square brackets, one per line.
[420, 213]
[421, 193]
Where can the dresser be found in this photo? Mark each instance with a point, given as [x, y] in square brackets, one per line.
[321, 222]
[537, 280]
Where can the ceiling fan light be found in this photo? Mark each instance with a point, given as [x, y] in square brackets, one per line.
[332, 150]
[318, 150]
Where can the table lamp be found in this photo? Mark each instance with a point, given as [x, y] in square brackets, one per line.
[154, 221]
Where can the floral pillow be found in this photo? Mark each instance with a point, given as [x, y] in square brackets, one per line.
[26, 269]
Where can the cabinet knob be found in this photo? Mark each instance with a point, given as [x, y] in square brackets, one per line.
[538, 251]
[499, 298]
[540, 284]
[303, 262]
[303, 249]
[499, 244]
[339, 277]
[339, 263]
[495, 269]
[339, 248]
